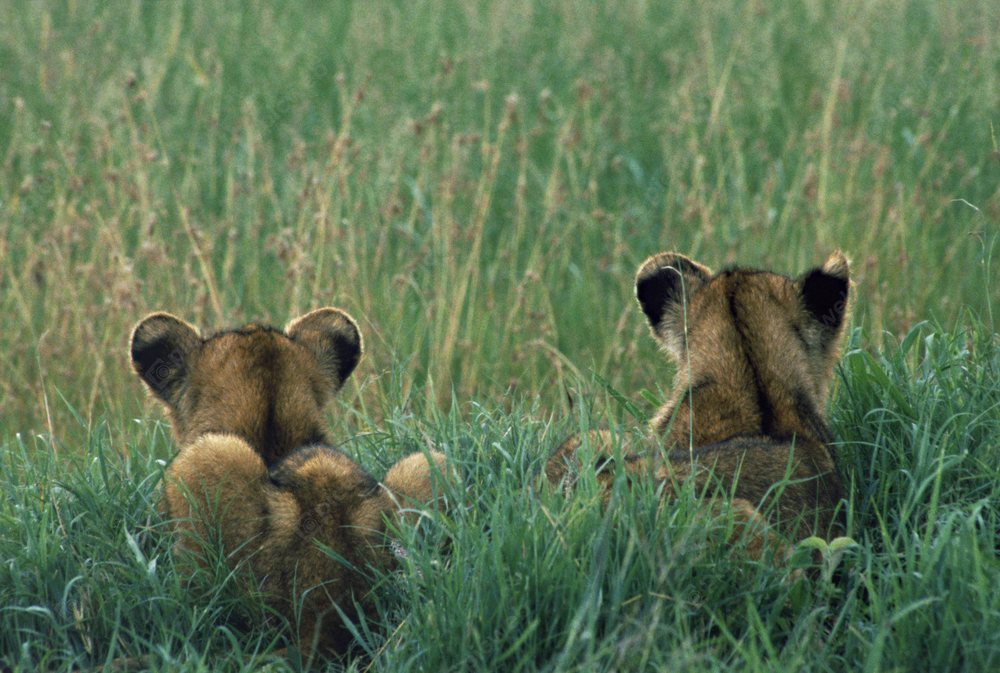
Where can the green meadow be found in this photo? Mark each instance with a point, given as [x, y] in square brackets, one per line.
[476, 183]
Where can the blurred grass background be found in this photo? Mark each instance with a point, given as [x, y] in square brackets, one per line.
[475, 182]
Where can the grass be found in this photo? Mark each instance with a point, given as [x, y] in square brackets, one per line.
[476, 183]
[522, 580]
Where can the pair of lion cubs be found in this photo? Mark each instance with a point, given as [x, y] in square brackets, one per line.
[754, 350]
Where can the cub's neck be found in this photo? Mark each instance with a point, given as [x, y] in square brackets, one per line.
[708, 411]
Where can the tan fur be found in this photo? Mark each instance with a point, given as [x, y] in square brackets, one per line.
[415, 484]
[281, 525]
[264, 385]
[302, 523]
[755, 353]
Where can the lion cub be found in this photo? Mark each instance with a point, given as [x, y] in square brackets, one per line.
[255, 477]
[267, 386]
[755, 353]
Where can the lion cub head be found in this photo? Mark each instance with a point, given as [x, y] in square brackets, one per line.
[263, 385]
[755, 350]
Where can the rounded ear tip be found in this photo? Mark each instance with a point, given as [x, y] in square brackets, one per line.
[328, 312]
[333, 336]
[155, 325]
[837, 265]
[654, 264]
[658, 263]
[663, 276]
[347, 326]
[327, 318]
[155, 317]
[158, 317]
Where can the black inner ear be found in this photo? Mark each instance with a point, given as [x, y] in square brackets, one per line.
[654, 291]
[347, 352]
[334, 340]
[667, 285]
[825, 297]
[160, 363]
[336, 352]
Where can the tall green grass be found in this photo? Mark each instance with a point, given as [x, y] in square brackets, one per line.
[87, 577]
[517, 579]
[475, 182]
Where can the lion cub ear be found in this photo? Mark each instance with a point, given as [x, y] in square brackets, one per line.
[825, 292]
[663, 285]
[334, 339]
[161, 349]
